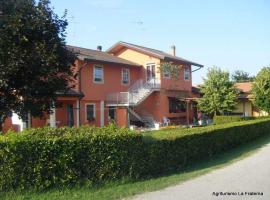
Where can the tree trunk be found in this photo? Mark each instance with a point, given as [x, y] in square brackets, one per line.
[2, 120]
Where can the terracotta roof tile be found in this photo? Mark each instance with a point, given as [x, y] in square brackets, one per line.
[154, 52]
[89, 54]
[244, 87]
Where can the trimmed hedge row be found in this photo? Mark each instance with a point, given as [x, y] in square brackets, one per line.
[230, 118]
[169, 150]
[47, 157]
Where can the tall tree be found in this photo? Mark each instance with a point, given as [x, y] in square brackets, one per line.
[219, 94]
[34, 60]
[261, 89]
[241, 76]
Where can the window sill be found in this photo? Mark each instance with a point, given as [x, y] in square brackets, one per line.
[98, 82]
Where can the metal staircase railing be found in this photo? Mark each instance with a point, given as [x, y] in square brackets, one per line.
[135, 94]
[142, 116]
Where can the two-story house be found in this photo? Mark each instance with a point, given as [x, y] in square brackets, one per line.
[125, 85]
[155, 95]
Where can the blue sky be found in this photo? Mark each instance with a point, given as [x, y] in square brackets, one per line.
[231, 34]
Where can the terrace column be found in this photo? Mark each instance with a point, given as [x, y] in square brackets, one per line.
[121, 117]
[53, 117]
[24, 125]
[27, 123]
[78, 113]
[187, 112]
[102, 113]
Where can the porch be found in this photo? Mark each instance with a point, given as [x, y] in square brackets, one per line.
[65, 112]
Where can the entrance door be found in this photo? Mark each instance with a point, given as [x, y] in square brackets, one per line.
[150, 72]
[70, 115]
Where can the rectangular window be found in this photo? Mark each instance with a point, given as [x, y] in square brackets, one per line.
[90, 112]
[111, 113]
[166, 74]
[125, 76]
[70, 115]
[187, 74]
[150, 71]
[98, 74]
[176, 106]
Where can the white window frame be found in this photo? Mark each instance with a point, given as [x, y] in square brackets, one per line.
[94, 106]
[166, 75]
[122, 77]
[98, 66]
[113, 108]
[187, 71]
[150, 64]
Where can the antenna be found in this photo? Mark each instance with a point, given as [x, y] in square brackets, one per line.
[73, 28]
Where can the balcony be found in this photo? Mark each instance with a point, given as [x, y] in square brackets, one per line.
[139, 91]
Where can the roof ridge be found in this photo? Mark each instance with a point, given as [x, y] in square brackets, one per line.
[142, 46]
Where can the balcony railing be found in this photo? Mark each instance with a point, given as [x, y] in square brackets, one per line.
[122, 98]
[149, 84]
[135, 93]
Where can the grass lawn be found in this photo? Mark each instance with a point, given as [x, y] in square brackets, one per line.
[127, 188]
[181, 132]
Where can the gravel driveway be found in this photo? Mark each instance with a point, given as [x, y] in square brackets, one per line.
[244, 180]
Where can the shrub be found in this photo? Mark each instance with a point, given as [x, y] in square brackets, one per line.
[49, 157]
[230, 118]
[169, 150]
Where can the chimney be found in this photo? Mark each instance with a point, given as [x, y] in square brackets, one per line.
[99, 48]
[173, 50]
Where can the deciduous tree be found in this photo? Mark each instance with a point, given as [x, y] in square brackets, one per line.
[219, 94]
[241, 76]
[261, 89]
[34, 60]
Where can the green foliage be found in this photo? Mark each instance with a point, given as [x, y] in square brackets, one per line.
[228, 119]
[172, 69]
[261, 89]
[34, 61]
[169, 150]
[219, 94]
[241, 76]
[48, 157]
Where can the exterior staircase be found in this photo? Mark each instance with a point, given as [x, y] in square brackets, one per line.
[140, 90]
[136, 94]
[143, 117]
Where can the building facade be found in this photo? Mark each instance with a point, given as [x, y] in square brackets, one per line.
[125, 85]
[244, 105]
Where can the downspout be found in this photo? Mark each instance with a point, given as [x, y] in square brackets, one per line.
[80, 91]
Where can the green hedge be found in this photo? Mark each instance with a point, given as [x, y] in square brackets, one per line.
[170, 150]
[230, 118]
[47, 157]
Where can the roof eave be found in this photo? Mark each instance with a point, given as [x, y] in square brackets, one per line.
[110, 50]
[112, 47]
[162, 57]
[58, 94]
[191, 63]
[88, 59]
